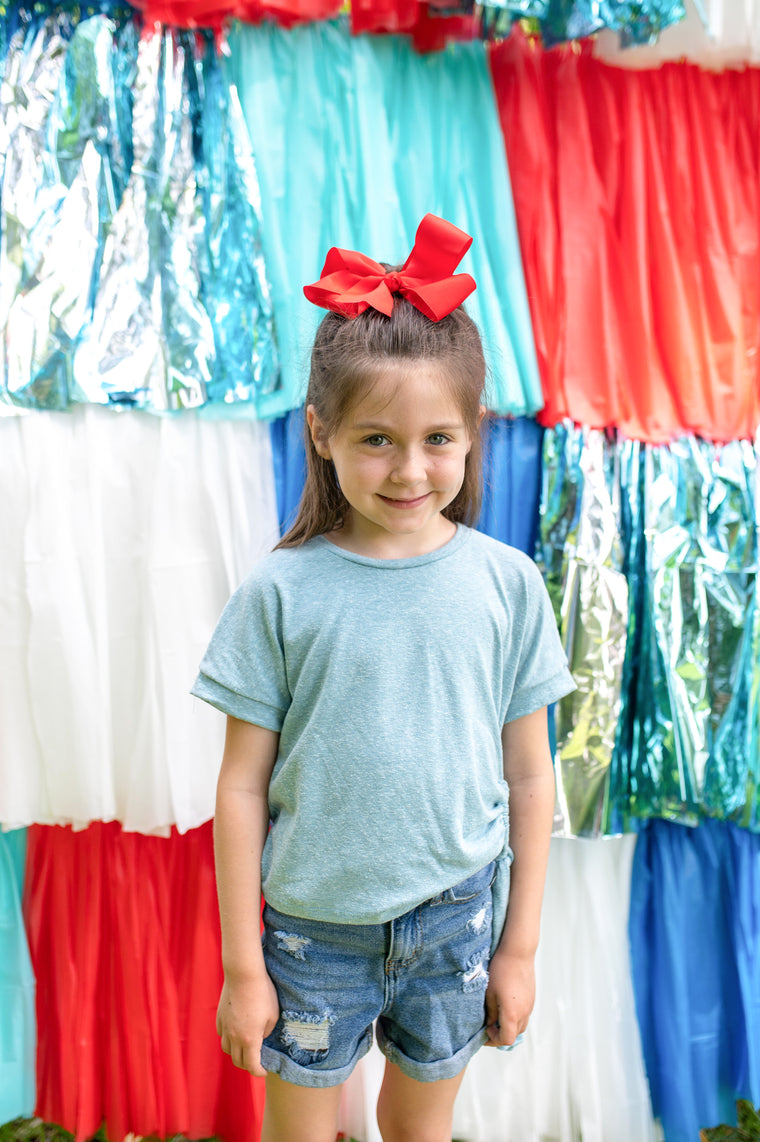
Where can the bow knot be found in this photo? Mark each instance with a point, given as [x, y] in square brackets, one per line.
[352, 282]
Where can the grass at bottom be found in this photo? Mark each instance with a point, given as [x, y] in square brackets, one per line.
[35, 1130]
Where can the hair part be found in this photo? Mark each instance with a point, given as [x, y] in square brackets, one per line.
[348, 356]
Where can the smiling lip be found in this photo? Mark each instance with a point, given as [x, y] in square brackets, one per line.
[405, 505]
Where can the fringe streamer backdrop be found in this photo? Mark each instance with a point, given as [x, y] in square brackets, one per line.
[636, 195]
[123, 537]
[124, 937]
[128, 197]
[355, 140]
[172, 527]
[650, 552]
[695, 950]
[17, 1015]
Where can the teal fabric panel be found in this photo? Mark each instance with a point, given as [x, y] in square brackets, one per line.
[355, 139]
[17, 1016]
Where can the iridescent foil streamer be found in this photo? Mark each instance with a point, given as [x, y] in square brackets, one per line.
[694, 739]
[650, 554]
[637, 21]
[131, 266]
[150, 343]
[581, 550]
[63, 122]
[182, 314]
[33, 331]
[235, 285]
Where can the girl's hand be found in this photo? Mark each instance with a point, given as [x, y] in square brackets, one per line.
[510, 996]
[248, 1011]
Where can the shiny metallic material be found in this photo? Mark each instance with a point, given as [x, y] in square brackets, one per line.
[131, 265]
[150, 343]
[40, 300]
[651, 555]
[236, 287]
[637, 21]
[694, 743]
[581, 550]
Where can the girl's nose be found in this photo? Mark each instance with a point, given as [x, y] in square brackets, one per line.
[409, 468]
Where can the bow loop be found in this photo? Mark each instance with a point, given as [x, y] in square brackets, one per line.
[351, 282]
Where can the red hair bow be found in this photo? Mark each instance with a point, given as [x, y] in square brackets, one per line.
[352, 282]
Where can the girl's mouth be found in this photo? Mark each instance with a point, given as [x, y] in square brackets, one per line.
[405, 505]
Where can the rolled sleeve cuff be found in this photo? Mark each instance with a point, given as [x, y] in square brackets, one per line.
[548, 691]
[237, 705]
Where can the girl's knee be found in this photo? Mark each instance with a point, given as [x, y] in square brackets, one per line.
[393, 1128]
[299, 1114]
[408, 1111]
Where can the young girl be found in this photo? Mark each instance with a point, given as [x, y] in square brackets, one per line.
[385, 672]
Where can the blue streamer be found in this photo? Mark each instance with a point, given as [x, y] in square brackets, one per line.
[695, 946]
[512, 479]
[289, 461]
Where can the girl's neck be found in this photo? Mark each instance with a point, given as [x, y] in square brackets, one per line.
[373, 545]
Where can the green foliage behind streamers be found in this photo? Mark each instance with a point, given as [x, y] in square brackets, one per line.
[746, 1130]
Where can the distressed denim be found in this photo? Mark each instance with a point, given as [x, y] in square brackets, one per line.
[421, 979]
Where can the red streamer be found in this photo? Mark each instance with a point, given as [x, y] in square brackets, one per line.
[429, 31]
[124, 936]
[637, 194]
[214, 13]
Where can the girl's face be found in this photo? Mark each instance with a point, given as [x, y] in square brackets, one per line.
[399, 455]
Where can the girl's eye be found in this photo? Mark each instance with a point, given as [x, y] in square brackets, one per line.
[376, 440]
[437, 438]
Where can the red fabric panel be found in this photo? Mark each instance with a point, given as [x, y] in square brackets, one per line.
[124, 937]
[213, 13]
[636, 194]
[429, 30]
[385, 15]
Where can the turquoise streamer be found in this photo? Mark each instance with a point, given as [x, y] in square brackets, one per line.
[651, 556]
[355, 140]
[17, 1016]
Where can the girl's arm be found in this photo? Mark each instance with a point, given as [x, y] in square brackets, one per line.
[529, 772]
[248, 1008]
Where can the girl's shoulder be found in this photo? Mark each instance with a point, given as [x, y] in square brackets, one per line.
[502, 557]
[283, 566]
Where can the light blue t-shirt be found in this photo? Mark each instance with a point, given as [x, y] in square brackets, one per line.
[389, 682]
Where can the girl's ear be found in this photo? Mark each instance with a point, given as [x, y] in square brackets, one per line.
[481, 413]
[319, 436]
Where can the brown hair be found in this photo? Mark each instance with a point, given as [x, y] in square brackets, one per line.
[347, 357]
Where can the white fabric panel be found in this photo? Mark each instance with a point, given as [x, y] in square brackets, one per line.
[123, 535]
[580, 1071]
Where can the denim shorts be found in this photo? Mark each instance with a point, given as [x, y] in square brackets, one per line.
[421, 978]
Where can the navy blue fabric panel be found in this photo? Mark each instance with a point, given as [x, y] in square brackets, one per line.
[289, 461]
[695, 944]
[512, 476]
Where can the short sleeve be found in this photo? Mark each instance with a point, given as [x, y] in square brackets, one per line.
[243, 671]
[542, 675]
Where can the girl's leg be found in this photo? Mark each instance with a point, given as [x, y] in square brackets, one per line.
[411, 1111]
[299, 1113]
